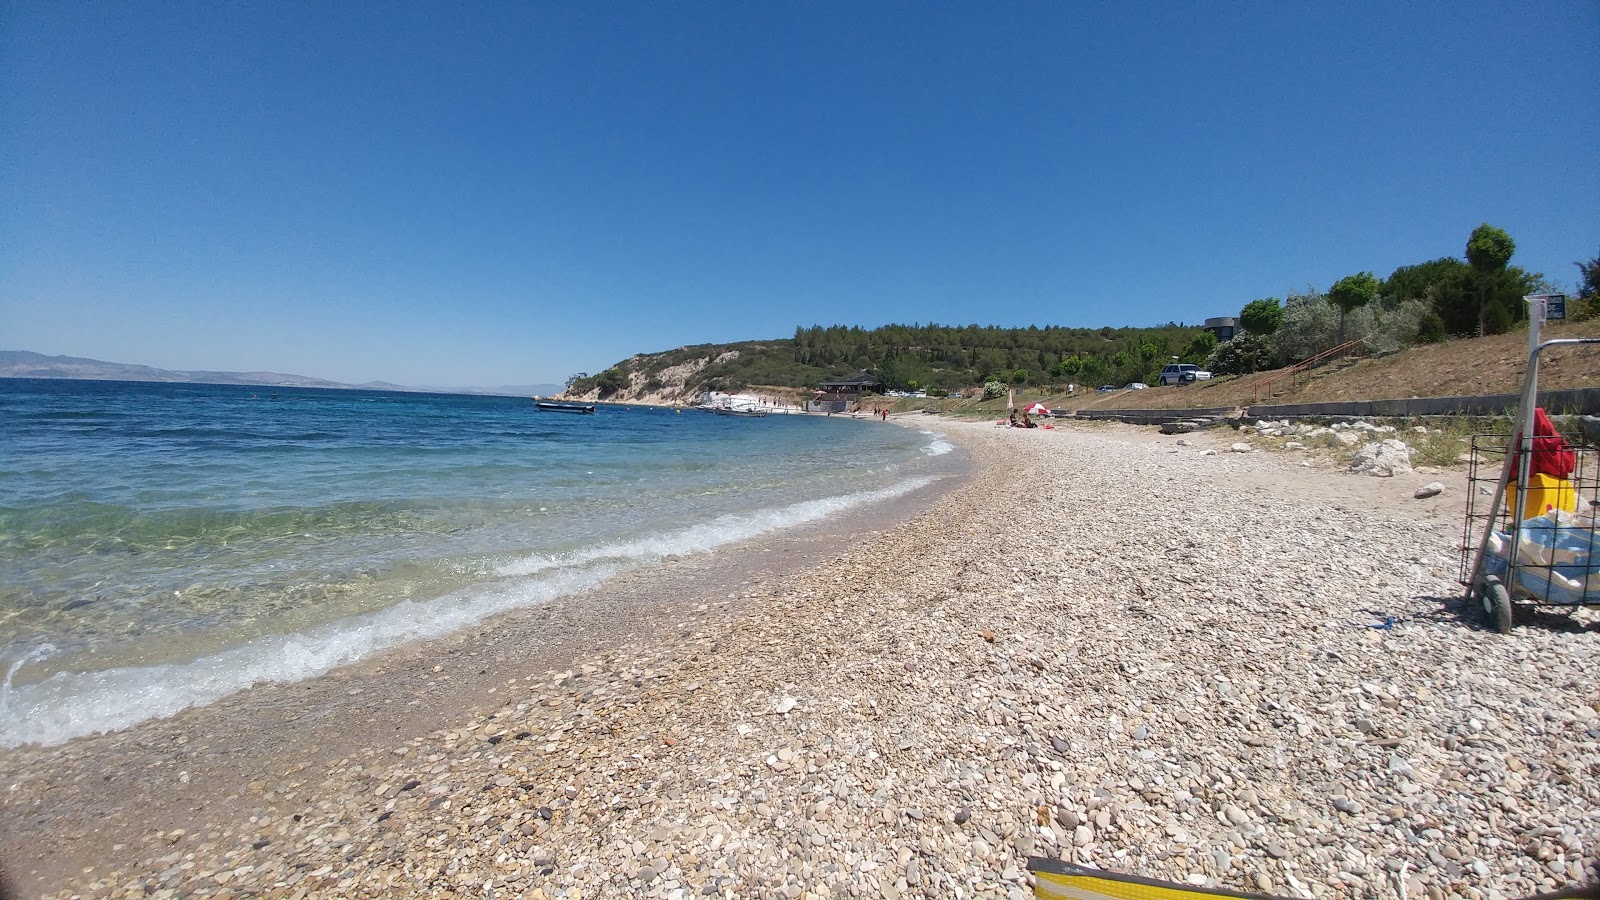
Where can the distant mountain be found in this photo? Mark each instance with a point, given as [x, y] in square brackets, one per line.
[26, 364]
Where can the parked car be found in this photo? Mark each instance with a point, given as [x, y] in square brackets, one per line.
[1136, 386]
[1106, 387]
[1182, 373]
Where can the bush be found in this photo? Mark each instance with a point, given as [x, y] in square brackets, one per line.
[610, 381]
[1244, 354]
[1388, 330]
[994, 390]
[1310, 325]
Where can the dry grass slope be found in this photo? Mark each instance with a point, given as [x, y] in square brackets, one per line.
[1491, 365]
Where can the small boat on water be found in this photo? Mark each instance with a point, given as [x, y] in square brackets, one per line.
[554, 406]
[733, 411]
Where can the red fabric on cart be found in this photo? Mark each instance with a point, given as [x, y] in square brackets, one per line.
[1550, 454]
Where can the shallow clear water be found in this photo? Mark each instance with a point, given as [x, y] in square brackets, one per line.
[164, 545]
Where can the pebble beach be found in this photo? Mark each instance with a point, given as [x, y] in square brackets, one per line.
[1246, 670]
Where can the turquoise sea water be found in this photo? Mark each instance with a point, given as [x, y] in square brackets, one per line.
[165, 545]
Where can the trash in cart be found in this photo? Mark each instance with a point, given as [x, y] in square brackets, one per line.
[1535, 538]
[1557, 558]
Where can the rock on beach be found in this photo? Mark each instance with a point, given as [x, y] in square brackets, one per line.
[1153, 663]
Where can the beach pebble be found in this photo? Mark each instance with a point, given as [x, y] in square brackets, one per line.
[1187, 690]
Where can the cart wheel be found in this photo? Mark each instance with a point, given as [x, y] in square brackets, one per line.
[1497, 606]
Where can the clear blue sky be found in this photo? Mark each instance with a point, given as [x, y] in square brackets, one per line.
[486, 194]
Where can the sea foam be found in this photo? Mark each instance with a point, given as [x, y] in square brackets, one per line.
[73, 704]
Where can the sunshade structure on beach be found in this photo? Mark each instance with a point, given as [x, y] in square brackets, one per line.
[1037, 409]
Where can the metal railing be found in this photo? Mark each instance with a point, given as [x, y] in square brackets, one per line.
[1267, 387]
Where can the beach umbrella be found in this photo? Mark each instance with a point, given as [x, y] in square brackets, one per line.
[1038, 409]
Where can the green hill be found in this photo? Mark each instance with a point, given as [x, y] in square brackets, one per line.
[935, 358]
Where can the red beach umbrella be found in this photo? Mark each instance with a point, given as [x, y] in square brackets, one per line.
[1038, 409]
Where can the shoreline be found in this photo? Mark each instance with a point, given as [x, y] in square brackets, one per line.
[179, 771]
[1103, 647]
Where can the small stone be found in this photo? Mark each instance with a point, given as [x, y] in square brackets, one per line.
[1277, 851]
[647, 874]
[785, 705]
[1141, 733]
[963, 815]
[1240, 447]
[1431, 489]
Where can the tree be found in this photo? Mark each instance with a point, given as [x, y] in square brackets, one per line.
[1200, 348]
[1488, 251]
[1420, 281]
[1350, 293]
[610, 381]
[1589, 285]
[1244, 354]
[572, 379]
[1261, 316]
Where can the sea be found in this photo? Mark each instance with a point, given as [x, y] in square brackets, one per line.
[165, 545]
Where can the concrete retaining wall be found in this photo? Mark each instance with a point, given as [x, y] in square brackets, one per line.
[1578, 400]
[1153, 416]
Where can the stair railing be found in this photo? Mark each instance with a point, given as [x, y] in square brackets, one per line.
[1268, 387]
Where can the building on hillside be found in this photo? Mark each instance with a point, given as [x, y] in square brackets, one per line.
[853, 387]
[1224, 327]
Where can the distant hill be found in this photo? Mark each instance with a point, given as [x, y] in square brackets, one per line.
[931, 357]
[26, 364]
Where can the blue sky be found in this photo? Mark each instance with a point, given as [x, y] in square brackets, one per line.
[487, 194]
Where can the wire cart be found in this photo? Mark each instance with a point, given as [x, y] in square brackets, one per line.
[1532, 536]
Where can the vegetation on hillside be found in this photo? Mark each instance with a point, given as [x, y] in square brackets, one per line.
[1478, 294]
[934, 358]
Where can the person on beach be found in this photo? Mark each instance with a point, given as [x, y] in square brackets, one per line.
[1014, 423]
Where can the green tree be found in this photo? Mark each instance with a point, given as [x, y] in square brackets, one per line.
[1350, 293]
[1489, 249]
[1201, 347]
[610, 382]
[1421, 281]
[1244, 354]
[1588, 288]
[1261, 316]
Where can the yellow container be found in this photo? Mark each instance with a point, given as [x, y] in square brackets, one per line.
[1544, 492]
